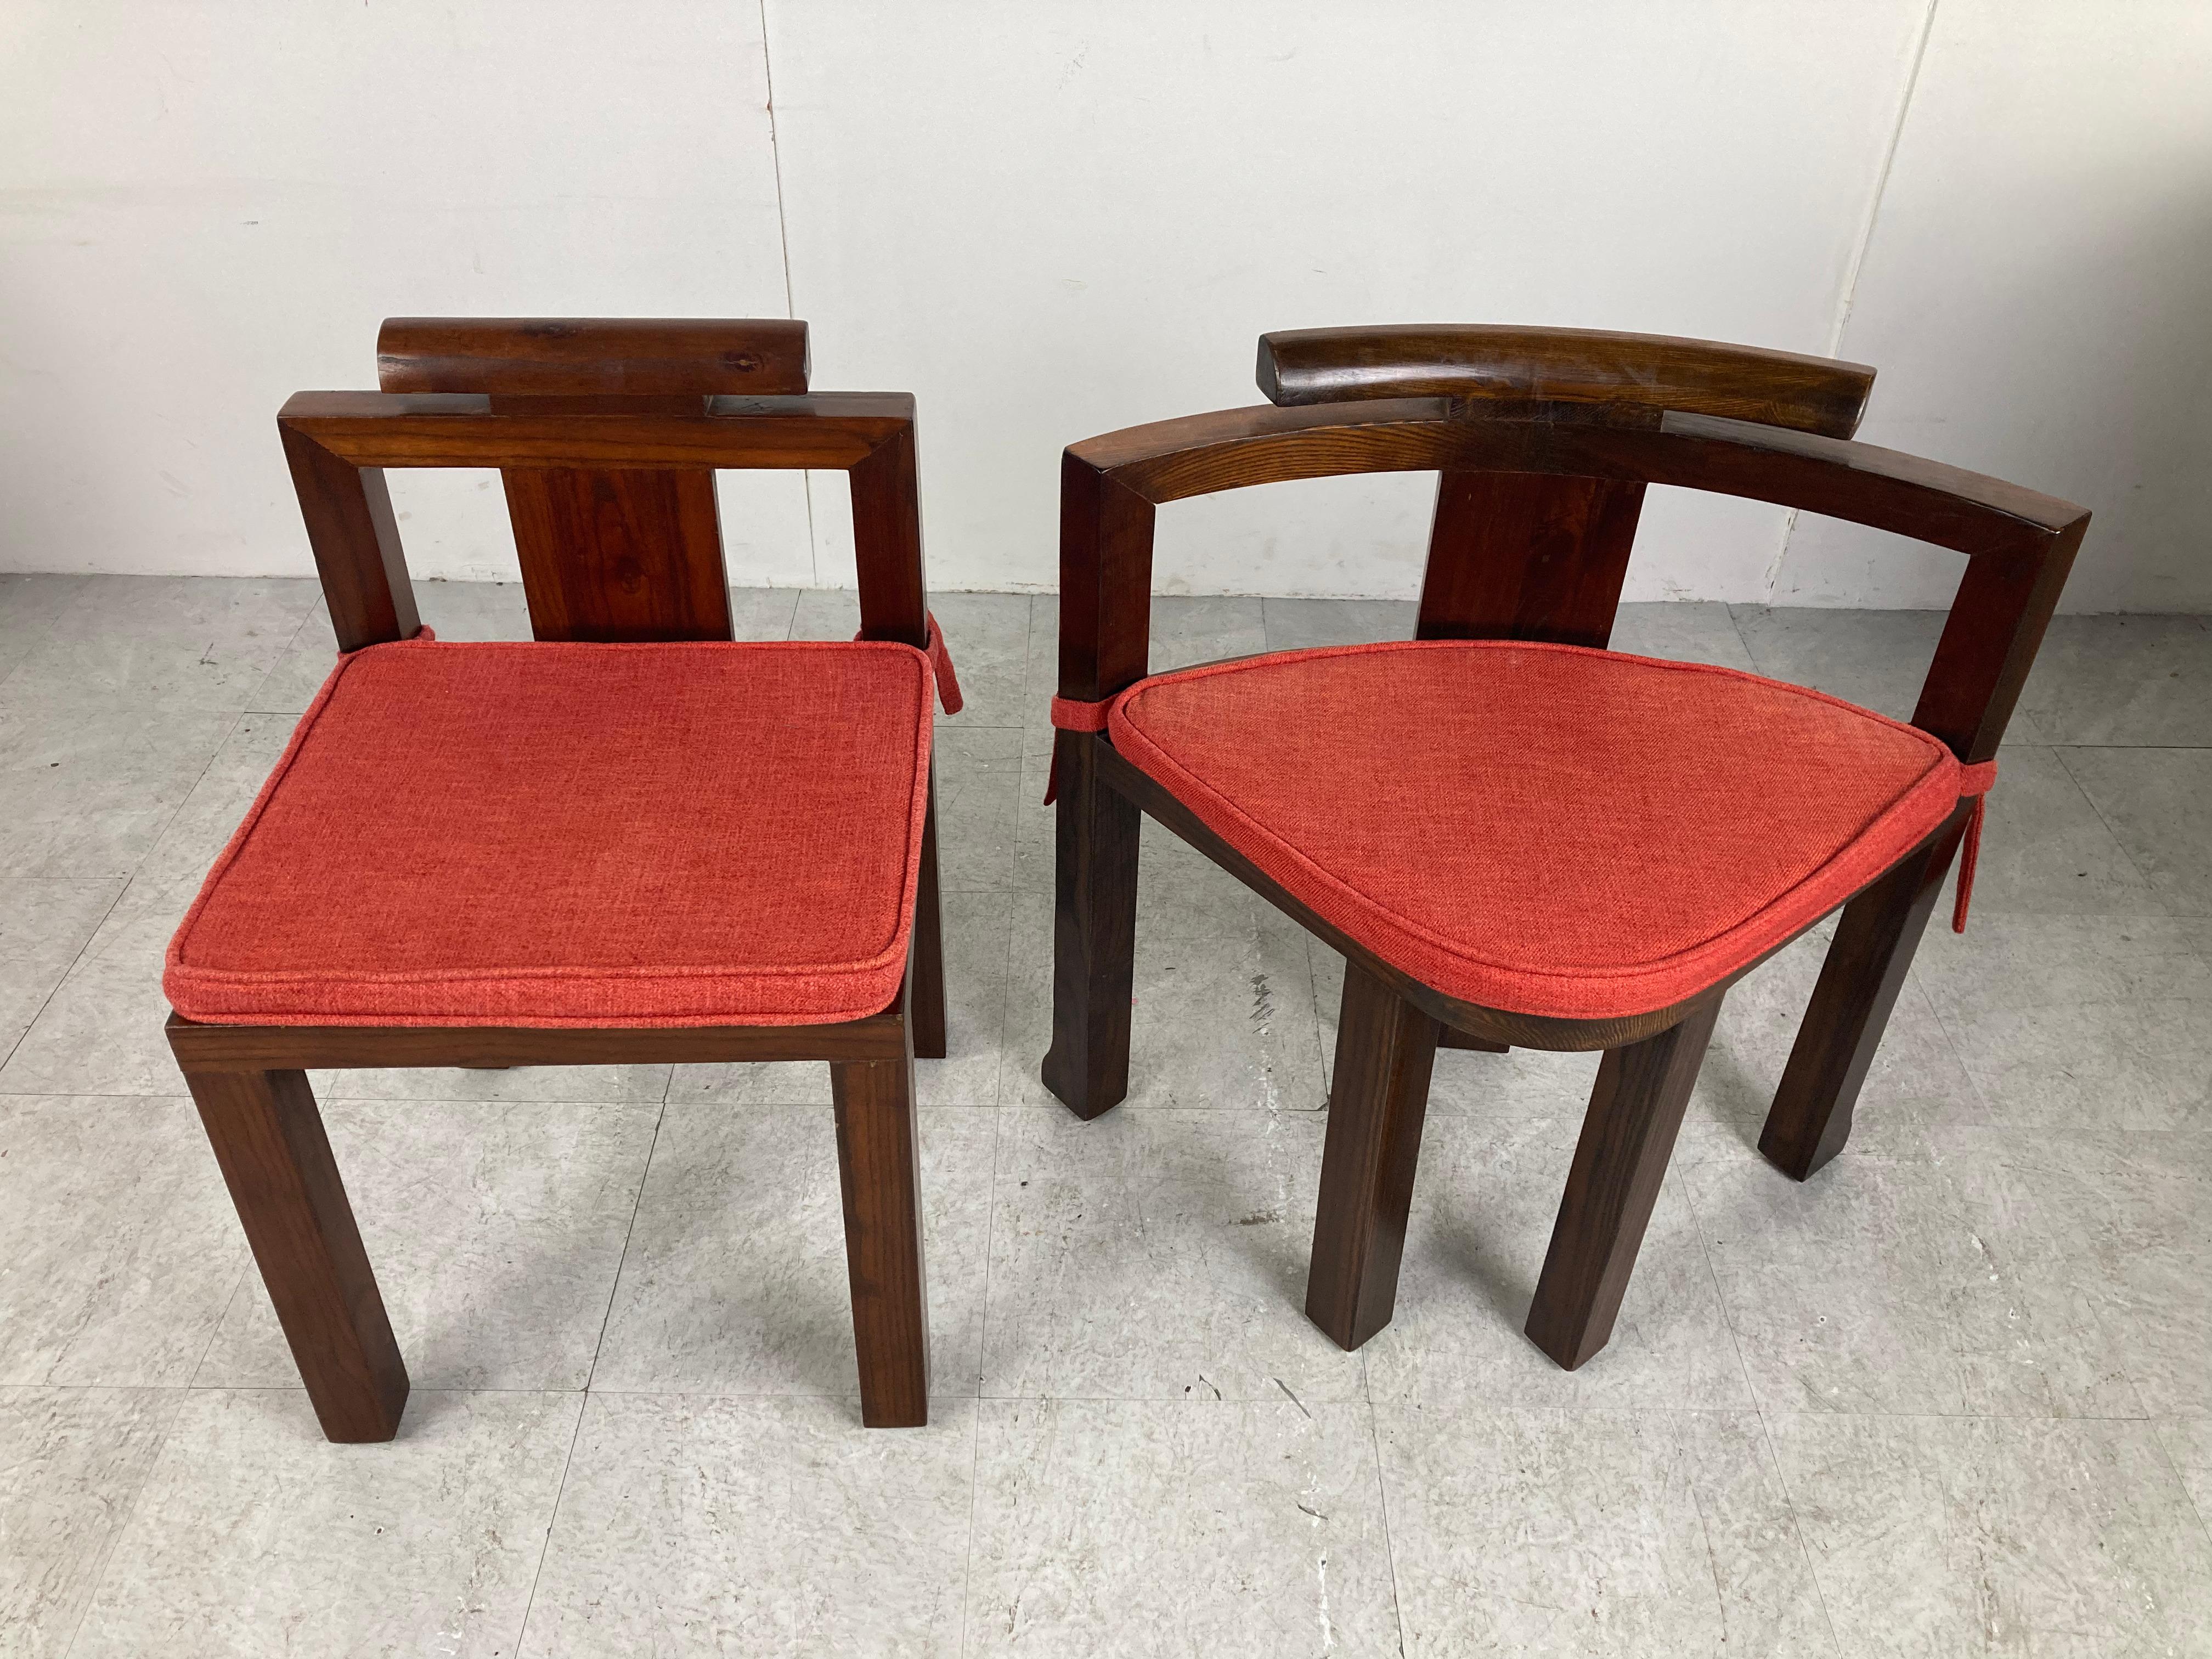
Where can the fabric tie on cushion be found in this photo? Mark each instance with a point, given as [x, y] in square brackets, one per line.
[1975, 782]
[940, 665]
[1070, 715]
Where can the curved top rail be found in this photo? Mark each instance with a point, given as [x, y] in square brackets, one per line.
[591, 356]
[1230, 449]
[1494, 361]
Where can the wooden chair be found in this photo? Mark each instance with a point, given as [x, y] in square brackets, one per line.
[1540, 843]
[642, 849]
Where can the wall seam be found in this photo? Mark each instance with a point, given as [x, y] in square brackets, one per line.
[1849, 295]
[783, 244]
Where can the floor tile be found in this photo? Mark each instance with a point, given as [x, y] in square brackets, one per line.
[29, 603]
[1303, 625]
[978, 935]
[762, 613]
[1682, 631]
[988, 635]
[826, 613]
[2048, 850]
[1178, 1528]
[2159, 804]
[979, 783]
[1223, 1010]
[256, 1536]
[2115, 1217]
[495, 1232]
[735, 1282]
[746, 1527]
[1484, 1201]
[1593, 1533]
[1881, 1286]
[90, 784]
[169, 642]
[118, 1246]
[2188, 1443]
[44, 925]
[1967, 1536]
[2078, 1021]
[1875, 658]
[71, 1463]
[1916, 1081]
[1157, 1255]
[101, 1031]
[2124, 680]
[1041, 684]
[1204, 629]
[629, 1085]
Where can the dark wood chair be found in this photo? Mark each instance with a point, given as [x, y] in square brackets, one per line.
[1545, 440]
[615, 788]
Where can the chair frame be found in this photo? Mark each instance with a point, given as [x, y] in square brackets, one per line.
[1545, 440]
[608, 433]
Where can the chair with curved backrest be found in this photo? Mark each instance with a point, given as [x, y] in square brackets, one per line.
[1513, 834]
[631, 842]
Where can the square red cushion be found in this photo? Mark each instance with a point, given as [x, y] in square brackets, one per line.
[1542, 829]
[553, 834]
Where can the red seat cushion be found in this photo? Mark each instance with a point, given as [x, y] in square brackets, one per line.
[576, 834]
[1542, 829]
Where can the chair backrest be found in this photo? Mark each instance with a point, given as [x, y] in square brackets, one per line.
[1545, 440]
[607, 434]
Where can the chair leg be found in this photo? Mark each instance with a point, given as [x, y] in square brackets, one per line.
[268, 1137]
[1634, 1113]
[1094, 935]
[925, 1007]
[1378, 1095]
[1866, 965]
[879, 1166]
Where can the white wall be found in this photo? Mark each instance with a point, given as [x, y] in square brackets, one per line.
[2037, 295]
[1051, 219]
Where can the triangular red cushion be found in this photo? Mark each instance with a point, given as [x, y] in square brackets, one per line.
[560, 834]
[1542, 829]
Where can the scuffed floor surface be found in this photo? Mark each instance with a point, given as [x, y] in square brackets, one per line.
[1953, 1397]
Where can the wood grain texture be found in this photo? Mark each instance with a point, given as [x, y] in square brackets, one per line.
[887, 540]
[829, 430]
[620, 556]
[879, 1169]
[1094, 931]
[1378, 1095]
[1860, 978]
[356, 541]
[1522, 555]
[594, 356]
[269, 1142]
[210, 1047]
[1627, 1137]
[1486, 360]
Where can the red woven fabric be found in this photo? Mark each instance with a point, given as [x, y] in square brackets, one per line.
[1070, 715]
[1976, 780]
[1540, 828]
[553, 834]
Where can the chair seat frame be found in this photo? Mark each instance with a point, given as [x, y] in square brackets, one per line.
[607, 434]
[1544, 441]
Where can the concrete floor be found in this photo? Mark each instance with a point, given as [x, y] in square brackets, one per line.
[1952, 1397]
